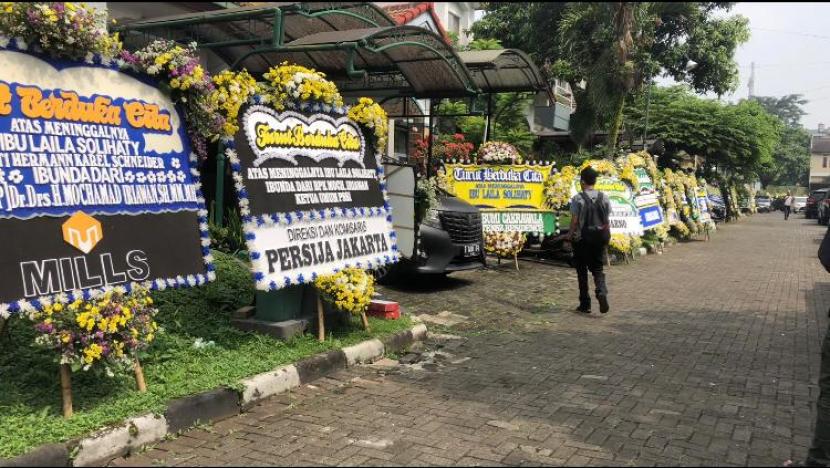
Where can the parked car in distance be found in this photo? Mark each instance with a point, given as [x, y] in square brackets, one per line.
[763, 204]
[798, 204]
[811, 207]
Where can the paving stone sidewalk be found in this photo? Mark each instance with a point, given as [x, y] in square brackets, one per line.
[709, 356]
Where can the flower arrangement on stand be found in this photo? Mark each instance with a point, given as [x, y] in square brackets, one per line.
[673, 192]
[349, 290]
[107, 332]
[628, 164]
[231, 90]
[558, 187]
[454, 148]
[190, 86]
[499, 152]
[290, 84]
[105, 328]
[603, 166]
[61, 29]
[367, 112]
[442, 181]
[620, 244]
[505, 244]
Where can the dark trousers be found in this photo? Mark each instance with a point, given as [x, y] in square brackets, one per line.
[589, 257]
[819, 453]
[786, 212]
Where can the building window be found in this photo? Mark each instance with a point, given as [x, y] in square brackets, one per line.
[454, 24]
[824, 163]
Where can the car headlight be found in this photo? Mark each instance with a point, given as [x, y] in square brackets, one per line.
[432, 220]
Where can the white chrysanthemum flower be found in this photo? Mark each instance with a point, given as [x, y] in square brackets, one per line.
[4, 41]
[206, 242]
[191, 280]
[25, 306]
[20, 43]
[203, 213]
[203, 226]
[4, 311]
[211, 276]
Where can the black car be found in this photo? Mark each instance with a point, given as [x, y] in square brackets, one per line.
[811, 208]
[450, 239]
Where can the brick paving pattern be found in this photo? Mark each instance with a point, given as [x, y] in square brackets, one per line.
[709, 356]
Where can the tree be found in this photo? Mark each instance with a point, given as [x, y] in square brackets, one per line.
[787, 108]
[617, 47]
[740, 138]
[508, 122]
[791, 161]
[790, 164]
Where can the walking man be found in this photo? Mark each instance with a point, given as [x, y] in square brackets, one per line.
[590, 233]
[788, 205]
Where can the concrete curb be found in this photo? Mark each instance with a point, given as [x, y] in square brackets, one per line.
[103, 446]
[269, 384]
[363, 352]
[106, 445]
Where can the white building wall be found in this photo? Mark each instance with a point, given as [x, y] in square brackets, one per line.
[465, 11]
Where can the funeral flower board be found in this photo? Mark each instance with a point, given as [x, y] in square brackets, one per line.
[511, 196]
[96, 183]
[311, 192]
[647, 201]
[625, 216]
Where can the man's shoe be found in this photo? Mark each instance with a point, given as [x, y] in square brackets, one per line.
[583, 309]
[603, 304]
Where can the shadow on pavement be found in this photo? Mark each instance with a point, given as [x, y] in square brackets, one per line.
[426, 284]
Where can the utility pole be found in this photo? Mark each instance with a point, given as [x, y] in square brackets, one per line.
[751, 84]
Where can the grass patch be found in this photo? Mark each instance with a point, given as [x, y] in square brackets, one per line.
[30, 402]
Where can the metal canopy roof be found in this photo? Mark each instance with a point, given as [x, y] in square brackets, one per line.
[356, 44]
[503, 71]
[399, 60]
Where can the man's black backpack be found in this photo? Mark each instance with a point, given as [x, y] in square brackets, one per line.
[596, 229]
